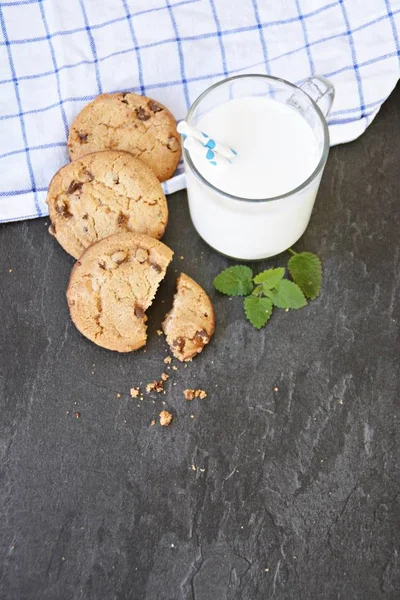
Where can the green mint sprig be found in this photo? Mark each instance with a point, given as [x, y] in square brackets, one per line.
[269, 289]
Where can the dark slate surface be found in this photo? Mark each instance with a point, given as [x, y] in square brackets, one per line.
[291, 494]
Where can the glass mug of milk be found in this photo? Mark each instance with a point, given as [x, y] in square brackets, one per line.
[261, 204]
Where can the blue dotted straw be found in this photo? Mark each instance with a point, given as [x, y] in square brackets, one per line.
[217, 153]
[210, 156]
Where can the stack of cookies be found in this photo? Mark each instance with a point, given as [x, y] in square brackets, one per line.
[108, 210]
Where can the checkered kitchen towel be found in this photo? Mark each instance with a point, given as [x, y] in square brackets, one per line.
[56, 55]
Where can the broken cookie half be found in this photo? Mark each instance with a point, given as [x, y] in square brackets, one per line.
[112, 285]
[190, 323]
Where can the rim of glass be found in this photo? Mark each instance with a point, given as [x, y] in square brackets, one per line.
[318, 168]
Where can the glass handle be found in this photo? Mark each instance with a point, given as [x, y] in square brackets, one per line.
[321, 91]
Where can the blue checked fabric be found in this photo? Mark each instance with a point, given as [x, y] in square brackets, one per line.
[57, 55]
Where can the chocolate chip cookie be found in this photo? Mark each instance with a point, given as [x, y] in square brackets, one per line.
[190, 323]
[102, 194]
[112, 285]
[126, 121]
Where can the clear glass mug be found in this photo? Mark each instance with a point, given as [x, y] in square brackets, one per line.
[269, 226]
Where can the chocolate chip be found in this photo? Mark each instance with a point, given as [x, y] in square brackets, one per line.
[85, 229]
[120, 256]
[179, 343]
[124, 101]
[74, 186]
[88, 174]
[156, 267]
[202, 334]
[173, 144]
[124, 94]
[63, 210]
[153, 106]
[142, 114]
[141, 255]
[77, 415]
[116, 179]
[139, 312]
[201, 338]
[102, 266]
[83, 137]
[122, 219]
[85, 216]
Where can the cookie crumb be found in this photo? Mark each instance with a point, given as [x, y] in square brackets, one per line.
[153, 422]
[175, 368]
[155, 386]
[181, 257]
[118, 395]
[159, 332]
[165, 418]
[276, 389]
[134, 392]
[193, 467]
[10, 270]
[189, 394]
[164, 376]
[167, 360]
[192, 416]
[77, 415]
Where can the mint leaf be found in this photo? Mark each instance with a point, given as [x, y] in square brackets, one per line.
[258, 290]
[270, 278]
[306, 270]
[235, 281]
[287, 295]
[258, 310]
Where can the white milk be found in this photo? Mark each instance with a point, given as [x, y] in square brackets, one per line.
[277, 152]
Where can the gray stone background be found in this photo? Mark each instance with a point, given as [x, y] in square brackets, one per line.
[291, 494]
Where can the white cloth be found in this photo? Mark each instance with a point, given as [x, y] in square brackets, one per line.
[56, 55]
